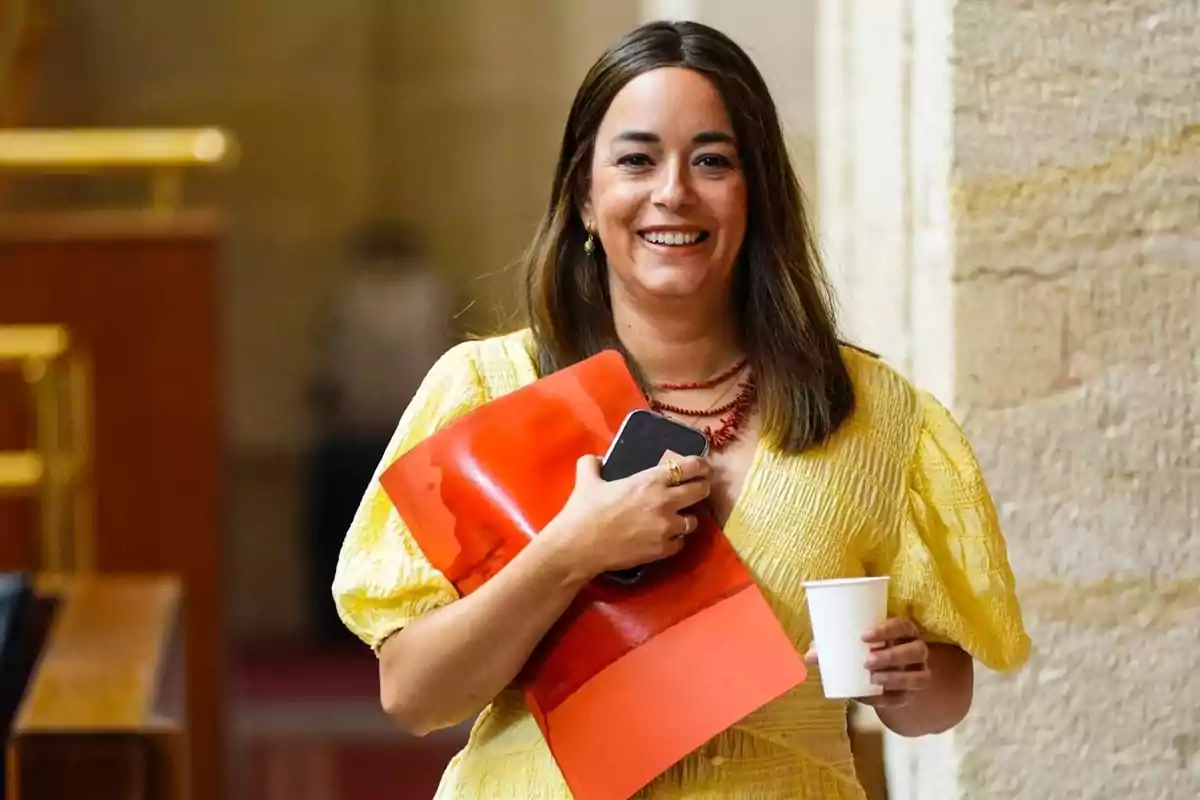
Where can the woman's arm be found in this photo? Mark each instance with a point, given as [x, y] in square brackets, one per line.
[944, 701]
[449, 664]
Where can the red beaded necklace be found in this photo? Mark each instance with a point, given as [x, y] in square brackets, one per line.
[734, 413]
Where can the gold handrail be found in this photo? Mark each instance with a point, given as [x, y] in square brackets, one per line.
[165, 152]
[32, 342]
[48, 150]
[20, 471]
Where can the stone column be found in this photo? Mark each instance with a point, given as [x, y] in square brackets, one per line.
[652, 10]
[1011, 205]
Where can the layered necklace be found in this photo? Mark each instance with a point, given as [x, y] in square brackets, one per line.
[733, 414]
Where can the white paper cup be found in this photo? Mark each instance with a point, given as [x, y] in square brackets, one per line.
[842, 611]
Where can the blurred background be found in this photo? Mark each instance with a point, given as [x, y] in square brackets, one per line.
[219, 220]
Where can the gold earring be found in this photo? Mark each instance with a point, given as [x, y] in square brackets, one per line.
[589, 244]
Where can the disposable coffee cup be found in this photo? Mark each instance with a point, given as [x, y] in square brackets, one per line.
[842, 610]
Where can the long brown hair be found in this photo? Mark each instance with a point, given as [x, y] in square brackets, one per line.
[781, 295]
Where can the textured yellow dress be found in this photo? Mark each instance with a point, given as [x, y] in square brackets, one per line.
[895, 491]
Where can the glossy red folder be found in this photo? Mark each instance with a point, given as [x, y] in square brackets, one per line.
[631, 679]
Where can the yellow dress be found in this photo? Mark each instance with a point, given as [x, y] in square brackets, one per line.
[895, 491]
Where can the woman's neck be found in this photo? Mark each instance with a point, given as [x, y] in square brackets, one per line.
[689, 344]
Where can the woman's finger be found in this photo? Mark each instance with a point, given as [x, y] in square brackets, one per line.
[896, 628]
[677, 470]
[888, 700]
[902, 680]
[687, 524]
[899, 656]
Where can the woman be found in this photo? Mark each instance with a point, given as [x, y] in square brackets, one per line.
[676, 233]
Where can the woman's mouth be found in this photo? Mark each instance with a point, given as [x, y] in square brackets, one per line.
[670, 238]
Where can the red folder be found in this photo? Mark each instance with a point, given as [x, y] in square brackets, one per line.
[631, 679]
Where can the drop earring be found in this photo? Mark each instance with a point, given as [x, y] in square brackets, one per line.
[589, 244]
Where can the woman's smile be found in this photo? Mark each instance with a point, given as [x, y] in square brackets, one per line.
[673, 239]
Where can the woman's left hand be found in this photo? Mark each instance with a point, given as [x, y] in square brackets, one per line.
[899, 662]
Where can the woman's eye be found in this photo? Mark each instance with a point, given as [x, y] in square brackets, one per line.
[634, 160]
[712, 161]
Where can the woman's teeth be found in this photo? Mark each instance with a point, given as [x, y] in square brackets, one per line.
[672, 238]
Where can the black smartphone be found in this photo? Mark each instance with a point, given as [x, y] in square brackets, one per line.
[640, 444]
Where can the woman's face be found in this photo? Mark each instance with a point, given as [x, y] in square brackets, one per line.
[668, 197]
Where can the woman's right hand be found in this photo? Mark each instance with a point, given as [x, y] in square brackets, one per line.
[615, 525]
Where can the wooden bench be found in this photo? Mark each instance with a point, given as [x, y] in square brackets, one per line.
[102, 715]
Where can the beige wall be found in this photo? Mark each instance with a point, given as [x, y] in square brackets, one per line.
[473, 113]
[289, 81]
[1010, 193]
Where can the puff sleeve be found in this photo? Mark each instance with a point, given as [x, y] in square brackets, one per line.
[383, 581]
[951, 575]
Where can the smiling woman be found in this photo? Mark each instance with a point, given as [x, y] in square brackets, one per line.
[676, 233]
[668, 202]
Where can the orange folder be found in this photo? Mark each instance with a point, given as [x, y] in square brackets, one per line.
[632, 678]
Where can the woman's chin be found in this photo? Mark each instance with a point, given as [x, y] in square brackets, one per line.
[666, 283]
[672, 290]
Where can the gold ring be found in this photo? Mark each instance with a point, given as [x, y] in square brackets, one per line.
[674, 474]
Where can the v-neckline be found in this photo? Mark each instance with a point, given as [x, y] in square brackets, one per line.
[745, 491]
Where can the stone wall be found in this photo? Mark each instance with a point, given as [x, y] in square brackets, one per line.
[1011, 196]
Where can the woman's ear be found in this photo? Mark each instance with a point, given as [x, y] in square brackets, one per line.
[585, 212]
[583, 199]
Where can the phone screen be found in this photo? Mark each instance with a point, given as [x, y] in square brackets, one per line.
[643, 440]
[645, 437]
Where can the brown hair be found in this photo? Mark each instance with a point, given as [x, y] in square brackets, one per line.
[781, 295]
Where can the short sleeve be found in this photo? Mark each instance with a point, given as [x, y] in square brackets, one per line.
[383, 581]
[952, 575]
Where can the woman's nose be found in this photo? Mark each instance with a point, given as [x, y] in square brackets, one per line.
[674, 188]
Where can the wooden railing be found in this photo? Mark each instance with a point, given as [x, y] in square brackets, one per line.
[103, 714]
[57, 467]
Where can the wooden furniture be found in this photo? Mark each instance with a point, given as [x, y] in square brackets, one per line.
[103, 714]
[56, 464]
[138, 292]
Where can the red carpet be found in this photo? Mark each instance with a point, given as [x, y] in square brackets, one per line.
[294, 672]
[307, 726]
[345, 770]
